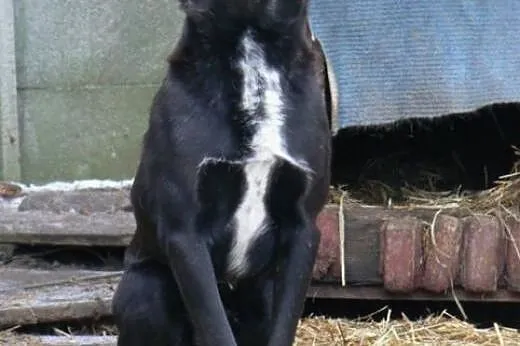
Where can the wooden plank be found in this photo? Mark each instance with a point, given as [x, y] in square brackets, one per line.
[57, 299]
[362, 236]
[80, 201]
[361, 246]
[43, 227]
[9, 132]
[323, 291]
[73, 340]
[16, 279]
[78, 340]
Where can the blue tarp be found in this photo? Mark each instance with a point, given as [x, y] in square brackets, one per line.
[419, 58]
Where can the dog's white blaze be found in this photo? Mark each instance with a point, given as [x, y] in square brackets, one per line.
[262, 92]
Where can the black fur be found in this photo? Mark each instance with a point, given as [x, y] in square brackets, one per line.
[175, 289]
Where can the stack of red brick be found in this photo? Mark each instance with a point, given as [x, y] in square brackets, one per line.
[476, 253]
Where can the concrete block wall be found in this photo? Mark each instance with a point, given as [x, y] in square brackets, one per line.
[86, 72]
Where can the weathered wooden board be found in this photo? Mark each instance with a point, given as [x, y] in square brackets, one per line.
[81, 340]
[78, 341]
[59, 297]
[362, 239]
[327, 291]
[81, 201]
[16, 279]
[44, 227]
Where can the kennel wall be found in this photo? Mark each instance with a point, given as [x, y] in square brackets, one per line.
[77, 77]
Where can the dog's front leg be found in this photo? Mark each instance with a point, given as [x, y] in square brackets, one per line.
[192, 268]
[292, 284]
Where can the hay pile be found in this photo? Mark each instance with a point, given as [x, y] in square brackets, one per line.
[503, 195]
[443, 329]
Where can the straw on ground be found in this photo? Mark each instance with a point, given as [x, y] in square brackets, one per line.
[438, 330]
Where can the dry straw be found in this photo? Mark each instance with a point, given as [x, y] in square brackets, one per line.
[504, 194]
[442, 329]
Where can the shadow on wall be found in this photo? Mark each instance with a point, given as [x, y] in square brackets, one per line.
[456, 152]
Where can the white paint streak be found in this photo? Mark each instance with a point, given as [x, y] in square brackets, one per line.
[262, 100]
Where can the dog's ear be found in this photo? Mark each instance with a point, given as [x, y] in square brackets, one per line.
[286, 10]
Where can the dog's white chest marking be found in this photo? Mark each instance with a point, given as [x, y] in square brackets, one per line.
[263, 101]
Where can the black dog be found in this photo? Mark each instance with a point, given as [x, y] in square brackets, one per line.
[233, 173]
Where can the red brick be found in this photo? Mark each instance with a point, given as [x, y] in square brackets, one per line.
[442, 254]
[401, 254]
[513, 256]
[328, 258]
[483, 253]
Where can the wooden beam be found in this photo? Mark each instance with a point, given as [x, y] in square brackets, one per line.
[82, 202]
[108, 340]
[34, 296]
[48, 340]
[9, 131]
[324, 291]
[40, 227]
[15, 279]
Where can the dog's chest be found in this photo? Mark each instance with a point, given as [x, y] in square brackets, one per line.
[262, 104]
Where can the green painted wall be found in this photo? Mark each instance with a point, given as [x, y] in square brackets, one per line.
[87, 71]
